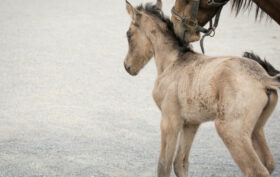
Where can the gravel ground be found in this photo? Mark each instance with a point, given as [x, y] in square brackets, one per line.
[68, 108]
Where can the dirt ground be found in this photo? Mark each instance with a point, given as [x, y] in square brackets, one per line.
[68, 108]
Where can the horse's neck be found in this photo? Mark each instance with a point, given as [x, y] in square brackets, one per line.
[271, 7]
[165, 49]
[164, 56]
[180, 4]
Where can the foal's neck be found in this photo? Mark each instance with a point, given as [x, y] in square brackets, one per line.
[166, 50]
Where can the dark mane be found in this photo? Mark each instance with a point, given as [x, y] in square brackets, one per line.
[153, 10]
[237, 5]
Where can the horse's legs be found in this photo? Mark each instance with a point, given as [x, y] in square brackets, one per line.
[234, 124]
[170, 125]
[170, 128]
[181, 162]
[258, 137]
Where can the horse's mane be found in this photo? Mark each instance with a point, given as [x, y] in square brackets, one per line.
[237, 5]
[151, 9]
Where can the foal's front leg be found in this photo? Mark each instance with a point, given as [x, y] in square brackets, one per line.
[171, 124]
[181, 163]
[170, 127]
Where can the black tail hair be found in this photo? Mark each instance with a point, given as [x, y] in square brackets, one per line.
[265, 64]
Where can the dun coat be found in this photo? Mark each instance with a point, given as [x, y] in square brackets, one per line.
[237, 93]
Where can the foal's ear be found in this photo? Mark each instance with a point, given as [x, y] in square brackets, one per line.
[159, 4]
[131, 10]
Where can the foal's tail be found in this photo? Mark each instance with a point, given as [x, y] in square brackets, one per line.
[274, 73]
[273, 82]
[265, 64]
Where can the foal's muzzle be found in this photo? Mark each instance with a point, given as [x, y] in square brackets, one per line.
[128, 69]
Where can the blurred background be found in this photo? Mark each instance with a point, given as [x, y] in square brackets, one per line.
[68, 107]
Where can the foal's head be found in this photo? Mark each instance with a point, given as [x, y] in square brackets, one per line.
[140, 47]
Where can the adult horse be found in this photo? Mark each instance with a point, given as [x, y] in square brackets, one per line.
[237, 93]
[189, 16]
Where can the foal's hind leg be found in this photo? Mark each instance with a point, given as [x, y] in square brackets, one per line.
[235, 125]
[258, 136]
[181, 162]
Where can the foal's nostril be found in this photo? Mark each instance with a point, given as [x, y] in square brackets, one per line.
[126, 68]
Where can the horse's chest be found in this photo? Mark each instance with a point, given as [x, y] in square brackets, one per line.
[159, 92]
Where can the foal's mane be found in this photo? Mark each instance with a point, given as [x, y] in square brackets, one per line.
[151, 9]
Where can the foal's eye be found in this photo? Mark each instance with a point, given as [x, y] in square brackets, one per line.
[128, 34]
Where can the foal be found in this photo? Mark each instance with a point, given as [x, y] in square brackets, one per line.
[191, 88]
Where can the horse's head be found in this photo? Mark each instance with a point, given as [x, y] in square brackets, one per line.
[140, 48]
[189, 15]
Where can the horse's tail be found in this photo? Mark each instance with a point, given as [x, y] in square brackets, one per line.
[265, 64]
[274, 80]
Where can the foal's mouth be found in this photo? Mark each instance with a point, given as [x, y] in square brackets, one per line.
[128, 69]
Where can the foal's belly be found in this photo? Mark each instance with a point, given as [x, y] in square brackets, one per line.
[196, 114]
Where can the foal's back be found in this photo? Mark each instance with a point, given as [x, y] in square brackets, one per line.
[202, 82]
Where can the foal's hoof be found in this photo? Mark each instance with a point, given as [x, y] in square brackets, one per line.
[270, 166]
